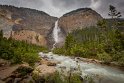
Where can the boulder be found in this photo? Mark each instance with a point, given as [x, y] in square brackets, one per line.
[4, 63]
[48, 62]
[51, 63]
[43, 70]
[15, 73]
[22, 71]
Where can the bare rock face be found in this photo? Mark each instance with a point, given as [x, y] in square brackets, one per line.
[36, 27]
[6, 23]
[30, 36]
[79, 19]
[26, 24]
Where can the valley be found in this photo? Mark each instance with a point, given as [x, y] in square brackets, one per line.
[79, 47]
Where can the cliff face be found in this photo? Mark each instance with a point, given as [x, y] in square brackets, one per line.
[37, 27]
[30, 37]
[26, 24]
[78, 19]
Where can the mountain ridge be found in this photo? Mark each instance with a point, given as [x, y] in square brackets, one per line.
[79, 18]
[16, 21]
[34, 26]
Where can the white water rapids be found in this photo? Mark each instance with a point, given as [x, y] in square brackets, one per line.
[100, 73]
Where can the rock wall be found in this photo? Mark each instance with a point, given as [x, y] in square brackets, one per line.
[30, 37]
[79, 19]
[36, 27]
[26, 24]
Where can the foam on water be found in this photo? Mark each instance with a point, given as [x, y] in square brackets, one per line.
[104, 72]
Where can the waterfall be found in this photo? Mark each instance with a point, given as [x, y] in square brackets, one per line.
[56, 31]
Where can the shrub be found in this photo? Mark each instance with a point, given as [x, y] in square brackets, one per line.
[104, 57]
[19, 51]
[58, 78]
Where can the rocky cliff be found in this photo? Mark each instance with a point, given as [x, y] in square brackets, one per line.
[36, 27]
[80, 18]
[26, 24]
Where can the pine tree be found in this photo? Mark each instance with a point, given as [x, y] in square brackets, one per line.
[69, 42]
[102, 24]
[114, 15]
[113, 12]
[1, 33]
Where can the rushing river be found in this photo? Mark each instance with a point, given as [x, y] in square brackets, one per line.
[100, 73]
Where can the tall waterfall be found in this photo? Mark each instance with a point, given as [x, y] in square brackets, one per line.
[56, 31]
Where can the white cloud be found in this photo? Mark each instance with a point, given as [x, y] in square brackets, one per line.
[95, 4]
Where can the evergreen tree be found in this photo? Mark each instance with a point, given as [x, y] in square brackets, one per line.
[102, 24]
[114, 15]
[113, 12]
[1, 33]
[69, 42]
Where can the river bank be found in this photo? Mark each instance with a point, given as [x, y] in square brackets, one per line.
[87, 67]
[51, 63]
[24, 73]
[95, 61]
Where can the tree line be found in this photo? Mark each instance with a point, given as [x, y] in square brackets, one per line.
[19, 51]
[104, 42]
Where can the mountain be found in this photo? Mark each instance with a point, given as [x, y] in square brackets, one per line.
[80, 18]
[26, 24]
[36, 27]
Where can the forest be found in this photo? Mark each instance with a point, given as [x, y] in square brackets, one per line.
[19, 51]
[104, 42]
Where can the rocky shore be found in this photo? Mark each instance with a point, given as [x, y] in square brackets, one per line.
[95, 61]
[24, 73]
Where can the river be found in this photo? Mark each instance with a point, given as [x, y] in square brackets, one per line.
[99, 73]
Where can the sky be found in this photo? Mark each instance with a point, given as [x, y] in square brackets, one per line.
[59, 7]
